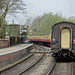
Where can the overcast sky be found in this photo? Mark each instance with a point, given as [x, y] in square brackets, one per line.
[39, 7]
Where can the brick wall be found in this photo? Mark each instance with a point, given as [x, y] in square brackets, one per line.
[10, 57]
[4, 43]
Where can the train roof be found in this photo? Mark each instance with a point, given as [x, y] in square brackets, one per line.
[39, 34]
[61, 23]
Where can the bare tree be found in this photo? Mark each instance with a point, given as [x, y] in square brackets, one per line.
[29, 21]
[11, 7]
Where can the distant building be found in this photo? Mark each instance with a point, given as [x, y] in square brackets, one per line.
[11, 31]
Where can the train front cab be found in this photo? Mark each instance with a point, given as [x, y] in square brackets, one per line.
[63, 39]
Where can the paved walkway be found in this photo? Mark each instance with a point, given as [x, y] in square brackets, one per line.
[13, 48]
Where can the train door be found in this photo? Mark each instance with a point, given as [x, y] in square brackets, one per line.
[65, 38]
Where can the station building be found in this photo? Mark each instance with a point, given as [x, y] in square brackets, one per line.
[13, 33]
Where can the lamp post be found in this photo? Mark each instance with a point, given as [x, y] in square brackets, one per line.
[24, 32]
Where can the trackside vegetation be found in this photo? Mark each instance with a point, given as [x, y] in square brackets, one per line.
[43, 24]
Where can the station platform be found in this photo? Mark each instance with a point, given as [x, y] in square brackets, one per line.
[13, 48]
[13, 53]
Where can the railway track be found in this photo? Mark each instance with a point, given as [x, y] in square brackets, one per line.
[41, 67]
[62, 68]
[52, 68]
[24, 65]
[31, 65]
[37, 51]
[73, 68]
[33, 60]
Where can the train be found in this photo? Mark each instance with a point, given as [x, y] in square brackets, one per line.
[44, 39]
[61, 39]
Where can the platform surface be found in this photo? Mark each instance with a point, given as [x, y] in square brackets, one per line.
[13, 48]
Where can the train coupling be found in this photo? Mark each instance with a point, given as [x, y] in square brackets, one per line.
[65, 55]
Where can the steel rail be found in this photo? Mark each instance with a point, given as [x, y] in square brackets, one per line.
[72, 68]
[32, 65]
[52, 68]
